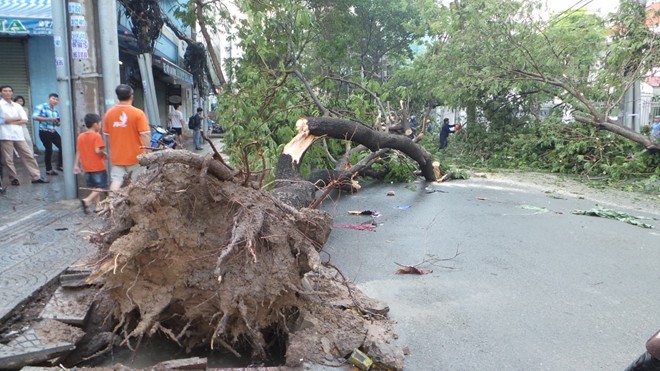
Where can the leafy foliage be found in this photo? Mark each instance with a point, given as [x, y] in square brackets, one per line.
[310, 58]
[559, 148]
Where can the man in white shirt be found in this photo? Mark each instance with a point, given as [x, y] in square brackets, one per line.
[13, 117]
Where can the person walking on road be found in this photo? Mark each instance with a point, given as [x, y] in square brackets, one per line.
[49, 119]
[12, 119]
[90, 153]
[195, 123]
[129, 133]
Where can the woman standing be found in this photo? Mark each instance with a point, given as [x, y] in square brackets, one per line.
[27, 127]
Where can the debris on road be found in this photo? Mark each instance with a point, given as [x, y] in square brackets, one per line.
[360, 360]
[373, 213]
[614, 214]
[368, 226]
[409, 269]
[536, 209]
[391, 193]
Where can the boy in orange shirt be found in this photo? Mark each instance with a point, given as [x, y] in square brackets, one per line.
[90, 153]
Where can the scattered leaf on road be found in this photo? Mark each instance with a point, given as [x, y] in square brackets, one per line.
[538, 210]
[614, 214]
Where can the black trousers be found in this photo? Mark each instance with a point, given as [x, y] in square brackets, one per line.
[443, 142]
[49, 138]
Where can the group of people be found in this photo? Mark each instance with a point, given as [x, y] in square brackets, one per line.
[13, 119]
[126, 127]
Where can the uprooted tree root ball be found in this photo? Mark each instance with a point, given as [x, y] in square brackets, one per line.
[194, 254]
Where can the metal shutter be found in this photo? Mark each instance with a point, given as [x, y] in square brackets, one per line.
[14, 72]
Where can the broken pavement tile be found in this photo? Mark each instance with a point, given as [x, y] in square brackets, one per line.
[46, 340]
[69, 305]
[74, 279]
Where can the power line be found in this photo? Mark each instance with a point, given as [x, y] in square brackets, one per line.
[569, 9]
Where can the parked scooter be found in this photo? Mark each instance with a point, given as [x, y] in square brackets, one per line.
[216, 128]
[162, 139]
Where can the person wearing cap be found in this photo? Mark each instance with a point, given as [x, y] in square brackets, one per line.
[655, 128]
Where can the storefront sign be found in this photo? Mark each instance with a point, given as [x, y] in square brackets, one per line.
[177, 72]
[24, 26]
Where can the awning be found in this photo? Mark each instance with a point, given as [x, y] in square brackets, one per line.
[25, 17]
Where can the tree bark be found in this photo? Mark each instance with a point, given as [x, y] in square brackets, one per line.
[316, 127]
[217, 66]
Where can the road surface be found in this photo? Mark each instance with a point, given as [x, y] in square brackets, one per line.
[535, 287]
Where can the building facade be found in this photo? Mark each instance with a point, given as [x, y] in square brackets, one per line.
[27, 47]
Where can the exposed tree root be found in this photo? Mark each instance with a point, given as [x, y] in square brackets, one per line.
[194, 254]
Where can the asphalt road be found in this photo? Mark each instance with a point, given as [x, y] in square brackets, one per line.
[530, 289]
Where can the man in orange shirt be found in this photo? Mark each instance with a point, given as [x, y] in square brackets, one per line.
[128, 130]
[90, 153]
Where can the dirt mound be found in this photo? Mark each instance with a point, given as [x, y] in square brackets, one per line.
[211, 262]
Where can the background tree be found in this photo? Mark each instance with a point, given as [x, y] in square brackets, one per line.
[485, 48]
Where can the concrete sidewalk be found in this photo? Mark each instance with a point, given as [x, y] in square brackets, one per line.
[42, 234]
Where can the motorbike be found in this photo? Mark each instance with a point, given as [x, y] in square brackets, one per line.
[163, 139]
[216, 128]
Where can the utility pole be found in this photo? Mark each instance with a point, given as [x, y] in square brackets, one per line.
[60, 38]
[86, 92]
[107, 20]
[632, 99]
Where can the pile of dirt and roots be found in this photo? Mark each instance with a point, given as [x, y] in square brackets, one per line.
[209, 261]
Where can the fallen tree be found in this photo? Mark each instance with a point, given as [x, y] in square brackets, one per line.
[199, 252]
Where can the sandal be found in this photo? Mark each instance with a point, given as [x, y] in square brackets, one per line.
[84, 207]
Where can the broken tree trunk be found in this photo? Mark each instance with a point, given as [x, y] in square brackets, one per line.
[310, 129]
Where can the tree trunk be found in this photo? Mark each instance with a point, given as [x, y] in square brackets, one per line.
[217, 66]
[316, 127]
[648, 142]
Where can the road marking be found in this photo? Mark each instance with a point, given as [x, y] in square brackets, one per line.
[9, 225]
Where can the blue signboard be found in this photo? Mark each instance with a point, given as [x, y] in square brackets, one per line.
[25, 17]
[18, 26]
